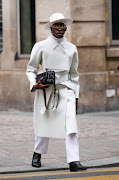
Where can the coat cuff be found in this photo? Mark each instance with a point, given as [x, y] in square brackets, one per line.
[32, 89]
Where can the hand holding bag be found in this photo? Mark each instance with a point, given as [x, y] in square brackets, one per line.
[48, 78]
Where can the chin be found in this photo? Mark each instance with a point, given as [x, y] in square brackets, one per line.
[59, 36]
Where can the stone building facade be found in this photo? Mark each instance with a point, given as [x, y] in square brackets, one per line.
[90, 32]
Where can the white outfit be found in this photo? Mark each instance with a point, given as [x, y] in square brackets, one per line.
[62, 57]
[71, 144]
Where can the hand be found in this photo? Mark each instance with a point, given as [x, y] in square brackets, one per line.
[39, 85]
[76, 104]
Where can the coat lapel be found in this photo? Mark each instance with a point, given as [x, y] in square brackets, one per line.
[54, 43]
[56, 55]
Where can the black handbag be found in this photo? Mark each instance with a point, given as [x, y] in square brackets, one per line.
[48, 78]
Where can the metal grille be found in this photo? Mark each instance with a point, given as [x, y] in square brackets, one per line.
[1, 38]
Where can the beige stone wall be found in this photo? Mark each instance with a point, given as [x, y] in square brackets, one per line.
[14, 86]
[88, 34]
[88, 10]
[14, 91]
[98, 65]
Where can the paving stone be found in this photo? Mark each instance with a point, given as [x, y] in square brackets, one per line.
[98, 137]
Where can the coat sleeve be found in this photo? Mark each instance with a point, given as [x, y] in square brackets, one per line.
[33, 65]
[74, 75]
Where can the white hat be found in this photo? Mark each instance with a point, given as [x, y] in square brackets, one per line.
[58, 17]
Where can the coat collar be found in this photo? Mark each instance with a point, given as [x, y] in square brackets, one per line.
[54, 43]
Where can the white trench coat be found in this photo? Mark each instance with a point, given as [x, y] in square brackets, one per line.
[63, 59]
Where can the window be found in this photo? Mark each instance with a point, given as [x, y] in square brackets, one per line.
[1, 42]
[114, 21]
[26, 26]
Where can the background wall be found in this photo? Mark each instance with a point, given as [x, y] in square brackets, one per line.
[89, 32]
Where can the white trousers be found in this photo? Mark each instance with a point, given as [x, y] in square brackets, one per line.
[71, 143]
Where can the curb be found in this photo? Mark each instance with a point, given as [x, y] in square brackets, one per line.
[57, 169]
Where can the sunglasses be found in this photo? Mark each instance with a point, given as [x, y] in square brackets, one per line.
[58, 26]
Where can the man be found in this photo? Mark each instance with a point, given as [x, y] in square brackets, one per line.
[59, 55]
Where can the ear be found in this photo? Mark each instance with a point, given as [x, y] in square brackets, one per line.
[65, 28]
[51, 29]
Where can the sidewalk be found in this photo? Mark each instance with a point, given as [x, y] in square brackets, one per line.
[98, 136]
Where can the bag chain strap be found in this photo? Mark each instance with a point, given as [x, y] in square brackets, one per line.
[44, 92]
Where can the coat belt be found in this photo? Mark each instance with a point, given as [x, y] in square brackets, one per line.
[59, 79]
[49, 91]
